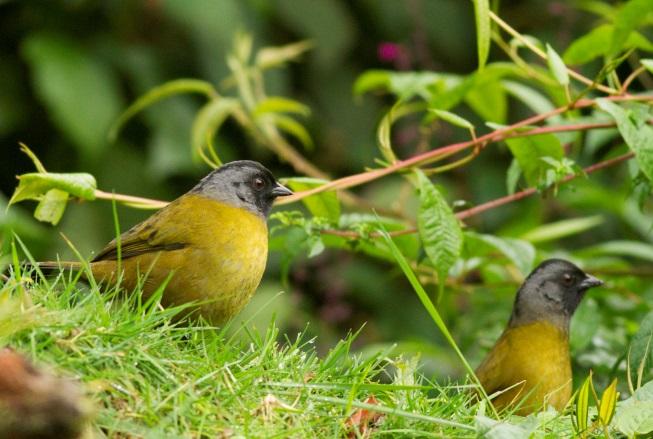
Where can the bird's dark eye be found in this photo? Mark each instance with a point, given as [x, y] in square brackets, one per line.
[567, 278]
[258, 183]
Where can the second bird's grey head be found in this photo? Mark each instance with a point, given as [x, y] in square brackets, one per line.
[243, 183]
[552, 292]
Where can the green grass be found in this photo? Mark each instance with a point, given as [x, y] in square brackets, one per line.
[149, 376]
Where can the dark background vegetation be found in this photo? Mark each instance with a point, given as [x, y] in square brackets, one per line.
[132, 46]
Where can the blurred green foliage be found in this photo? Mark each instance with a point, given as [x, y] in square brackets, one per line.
[72, 67]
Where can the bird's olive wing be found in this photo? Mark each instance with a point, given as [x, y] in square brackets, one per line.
[160, 232]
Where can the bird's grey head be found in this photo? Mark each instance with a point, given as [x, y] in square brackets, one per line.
[552, 292]
[243, 183]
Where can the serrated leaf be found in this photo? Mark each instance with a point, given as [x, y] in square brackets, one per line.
[482, 15]
[269, 57]
[278, 104]
[631, 15]
[51, 208]
[438, 228]
[529, 150]
[557, 66]
[452, 118]
[323, 204]
[561, 229]
[521, 253]
[582, 404]
[290, 126]
[34, 185]
[596, 43]
[633, 127]
[208, 121]
[163, 91]
[608, 403]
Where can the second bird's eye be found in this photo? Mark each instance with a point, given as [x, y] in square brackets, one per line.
[258, 183]
[567, 278]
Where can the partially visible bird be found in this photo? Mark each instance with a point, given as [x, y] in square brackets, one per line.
[209, 246]
[531, 358]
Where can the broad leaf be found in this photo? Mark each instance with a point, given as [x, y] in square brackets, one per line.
[323, 204]
[561, 229]
[634, 128]
[208, 121]
[50, 209]
[521, 253]
[529, 150]
[641, 349]
[597, 43]
[34, 185]
[438, 228]
[630, 16]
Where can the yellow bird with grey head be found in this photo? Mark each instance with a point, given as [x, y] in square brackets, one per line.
[529, 366]
[210, 244]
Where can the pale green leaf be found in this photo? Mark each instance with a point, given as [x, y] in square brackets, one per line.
[372, 80]
[582, 404]
[33, 186]
[561, 229]
[269, 57]
[438, 228]
[384, 139]
[290, 126]
[452, 118]
[634, 419]
[483, 32]
[521, 253]
[608, 403]
[278, 104]
[634, 249]
[557, 66]
[648, 64]
[633, 126]
[163, 91]
[208, 121]
[324, 204]
[51, 207]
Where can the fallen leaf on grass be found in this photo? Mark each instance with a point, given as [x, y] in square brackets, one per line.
[362, 421]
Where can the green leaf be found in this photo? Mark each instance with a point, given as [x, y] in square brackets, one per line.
[488, 99]
[50, 209]
[635, 418]
[582, 404]
[33, 186]
[438, 228]
[372, 80]
[208, 121]
[608, 403]
[384, 139]
[452, 118]
[521, 253]
[648, 64]
[584, 325]
[561, 229]
[81, 93]
[635, 249]
[290, 126]
[278, 104]
[482, 14]
[323, 204]
[529, 150]
[512, 176]
[557, 66]
[529, 96]
[163, 91]
[597, 43]
[269, 57]
[640, 350]
[630, 16]
[632, 123]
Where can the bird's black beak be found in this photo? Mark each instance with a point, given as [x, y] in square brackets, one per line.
[590, 282]
[280, 191]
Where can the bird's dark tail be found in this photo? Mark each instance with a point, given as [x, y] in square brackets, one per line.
[49, 267]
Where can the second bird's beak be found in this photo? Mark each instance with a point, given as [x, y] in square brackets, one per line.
[280, 191]
[589, 282]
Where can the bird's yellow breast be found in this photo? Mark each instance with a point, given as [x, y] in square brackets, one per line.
[220, 264]
[533, 357]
